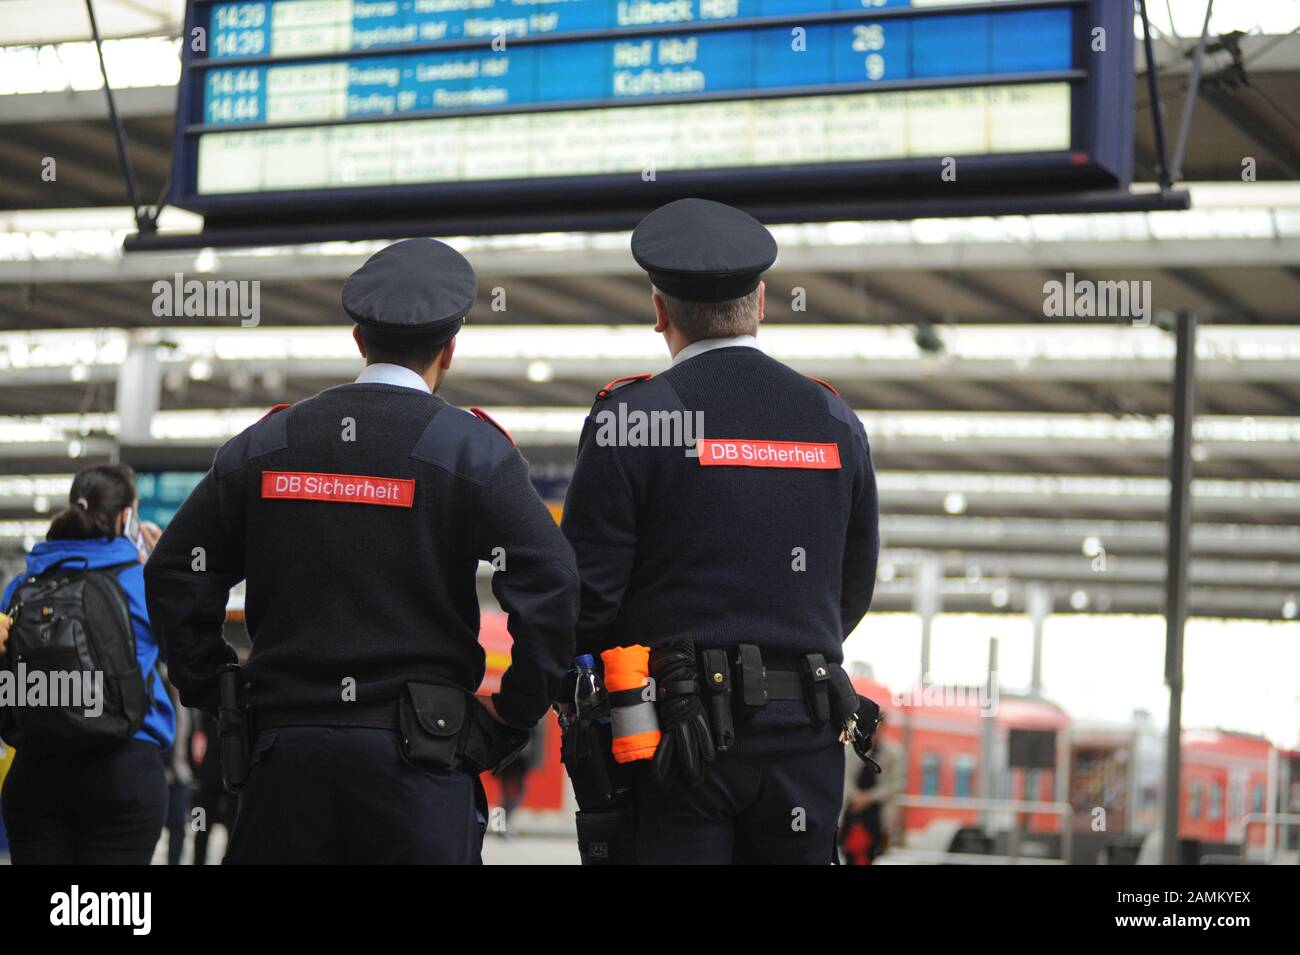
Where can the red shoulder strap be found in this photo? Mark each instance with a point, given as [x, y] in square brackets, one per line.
[492, 421]
[825, 384]
[275, 408]
[609, 388]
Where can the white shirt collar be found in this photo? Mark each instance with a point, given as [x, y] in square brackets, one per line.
[708, 344]
[382, 373]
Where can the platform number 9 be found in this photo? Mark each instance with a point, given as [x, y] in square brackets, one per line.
[869, 38]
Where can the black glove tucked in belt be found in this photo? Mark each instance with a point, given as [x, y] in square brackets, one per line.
[686, 746]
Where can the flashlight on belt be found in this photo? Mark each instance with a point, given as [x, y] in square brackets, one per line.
[631, 703]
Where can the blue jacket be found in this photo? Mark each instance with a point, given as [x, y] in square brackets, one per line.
[160, 722]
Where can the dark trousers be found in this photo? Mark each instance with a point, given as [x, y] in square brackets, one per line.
[765, 802]
[320, 795]
[102, 807]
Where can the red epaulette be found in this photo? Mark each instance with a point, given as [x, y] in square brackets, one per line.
[492, 421]
[825, 384]
[609, 388]
[274, 408]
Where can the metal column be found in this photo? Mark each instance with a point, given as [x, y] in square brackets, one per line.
[1038, 604]
[928, 603]
[139, 389]
[1179, 523]
[988, 743]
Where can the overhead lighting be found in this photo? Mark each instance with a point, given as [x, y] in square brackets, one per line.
[206, 261]
[1079, 600]
[540, 372]
[201, 370]
[1290, 609]
[927, 339]
[955, 503]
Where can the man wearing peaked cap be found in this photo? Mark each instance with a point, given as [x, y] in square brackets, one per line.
[419, 289]
[358, 519]
[740, 548]
[704, 252]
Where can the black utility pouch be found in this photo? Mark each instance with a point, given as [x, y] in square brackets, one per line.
[844, 699]
[586, 751]
[605, 837]
[491, 745]
[816, 682]
[431, 718]
[750, 678]
[716, 676]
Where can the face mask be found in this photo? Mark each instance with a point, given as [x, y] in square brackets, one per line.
[131, 531]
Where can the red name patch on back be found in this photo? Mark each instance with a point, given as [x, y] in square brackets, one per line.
[338, 488]
[744, 453]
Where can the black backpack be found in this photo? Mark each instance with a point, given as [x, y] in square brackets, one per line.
[75, 622]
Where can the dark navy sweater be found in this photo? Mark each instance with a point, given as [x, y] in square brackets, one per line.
[671, 547]
[355, 591]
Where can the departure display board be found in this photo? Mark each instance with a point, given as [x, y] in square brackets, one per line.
[317, 108]
[162, 493]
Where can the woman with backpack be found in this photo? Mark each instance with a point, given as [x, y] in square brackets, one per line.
[87, 785]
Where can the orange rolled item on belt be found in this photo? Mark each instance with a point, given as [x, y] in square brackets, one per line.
[635, 726]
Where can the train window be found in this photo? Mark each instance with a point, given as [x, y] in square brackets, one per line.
[1236, 800]
[930, 766]
[1030, 792]
[1194, 800]
[1257, 798]
[1216, 802]
[963, 776]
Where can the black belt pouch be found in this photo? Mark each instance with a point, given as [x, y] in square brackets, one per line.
[606, 837]
[816, 676]
[750, 679]
[717, 681]
[431, 718]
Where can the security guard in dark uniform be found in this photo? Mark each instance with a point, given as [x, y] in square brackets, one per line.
[743, 561]
[358, 518]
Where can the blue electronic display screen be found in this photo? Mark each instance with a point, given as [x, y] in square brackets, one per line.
[162, 493]
[729, 61]
[288, 27]
[312, 103]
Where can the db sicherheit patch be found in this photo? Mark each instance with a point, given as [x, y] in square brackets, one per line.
[338, 488]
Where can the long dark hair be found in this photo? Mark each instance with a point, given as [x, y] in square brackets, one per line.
[98, 496]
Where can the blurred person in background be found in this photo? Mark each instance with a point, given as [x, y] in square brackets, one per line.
[218, 806]
[514, 777]
[104, 804]
[180, 778]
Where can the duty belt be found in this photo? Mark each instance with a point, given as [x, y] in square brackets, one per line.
[381, 716]
[737, 682]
